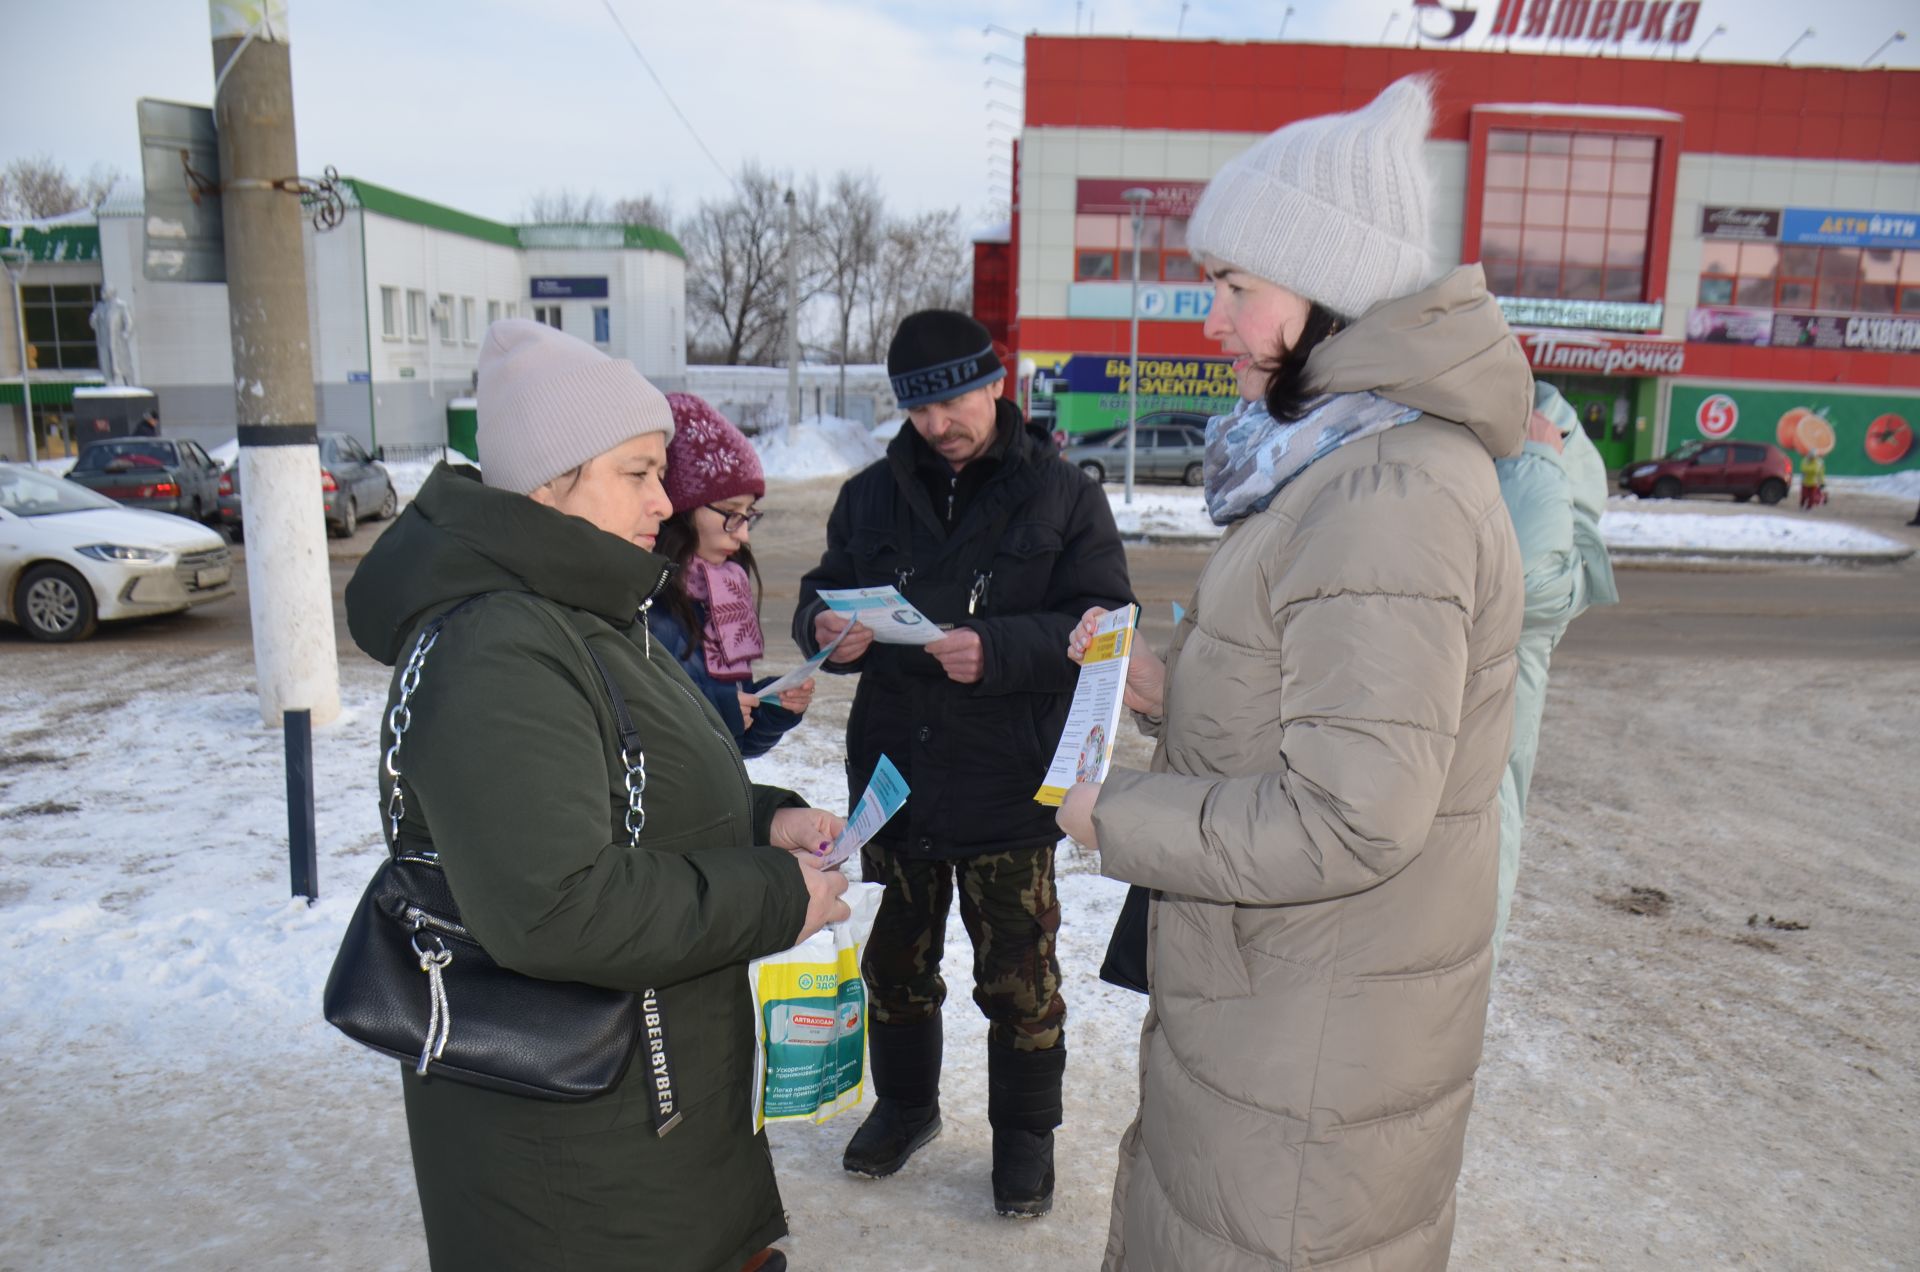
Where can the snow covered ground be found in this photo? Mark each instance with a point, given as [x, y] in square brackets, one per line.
[1666, 526]
[161, 1000]
[1661, 1089]
[1748, 534]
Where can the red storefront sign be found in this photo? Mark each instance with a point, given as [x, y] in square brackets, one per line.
[1585, 21]
[1170, 198]
[1588, 353]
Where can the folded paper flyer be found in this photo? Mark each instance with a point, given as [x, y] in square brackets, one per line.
[1086, 743]
[888, 615]
[885, 795]
[800, 675]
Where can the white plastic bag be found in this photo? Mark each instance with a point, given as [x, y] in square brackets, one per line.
[810, 1020]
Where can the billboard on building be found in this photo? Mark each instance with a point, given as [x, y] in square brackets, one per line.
[1090, 390]
[1860, 434]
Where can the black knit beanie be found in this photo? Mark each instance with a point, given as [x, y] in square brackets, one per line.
[938, 354]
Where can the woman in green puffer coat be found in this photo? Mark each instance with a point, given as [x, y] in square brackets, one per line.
[512, 773]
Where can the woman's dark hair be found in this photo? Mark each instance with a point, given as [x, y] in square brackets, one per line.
[678, 539]
[1287, 391]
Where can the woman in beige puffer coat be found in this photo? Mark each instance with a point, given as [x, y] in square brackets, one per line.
[1320, 826]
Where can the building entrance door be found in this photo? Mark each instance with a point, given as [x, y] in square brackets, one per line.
[1604, 406]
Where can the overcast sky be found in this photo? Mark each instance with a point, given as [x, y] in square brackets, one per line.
[481, 103]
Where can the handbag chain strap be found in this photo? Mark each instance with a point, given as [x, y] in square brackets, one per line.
[435, 956]
[633, 756]
[399, 720]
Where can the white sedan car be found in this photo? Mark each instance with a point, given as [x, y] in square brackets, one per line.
[70, 558]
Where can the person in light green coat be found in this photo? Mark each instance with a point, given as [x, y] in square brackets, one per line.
[1555, 490]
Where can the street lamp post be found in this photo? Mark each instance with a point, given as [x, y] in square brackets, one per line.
[15, 259]
[1890, 41]
[1137, 196]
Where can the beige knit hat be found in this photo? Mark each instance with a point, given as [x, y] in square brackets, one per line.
[549, 402]
[1334, 208]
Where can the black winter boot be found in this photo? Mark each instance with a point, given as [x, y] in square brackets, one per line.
[906, 1106]
[1023, 1104]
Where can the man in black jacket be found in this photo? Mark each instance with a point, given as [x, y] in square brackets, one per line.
[974, 517]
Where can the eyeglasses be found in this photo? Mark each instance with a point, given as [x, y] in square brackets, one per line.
[733, 521]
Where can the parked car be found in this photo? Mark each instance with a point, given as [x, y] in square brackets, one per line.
[1170, 446]
[1740, 469]
[352, 485]
[71, 559]
[156, 473]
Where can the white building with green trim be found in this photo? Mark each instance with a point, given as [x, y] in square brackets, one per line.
[398, 298]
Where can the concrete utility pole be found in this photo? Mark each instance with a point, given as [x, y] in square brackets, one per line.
[1137, 197]
[793, 311]
[287, 576]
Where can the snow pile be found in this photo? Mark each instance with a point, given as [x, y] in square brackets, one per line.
[1757, 534]
[409, 475]
[1161, 512]
[818, 446]
[1902, 485]
[1628, 524]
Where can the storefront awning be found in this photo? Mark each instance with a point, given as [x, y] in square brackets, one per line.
[45, 392]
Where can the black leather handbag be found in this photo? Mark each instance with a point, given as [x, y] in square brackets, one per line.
[410, 981]
[1126, 962]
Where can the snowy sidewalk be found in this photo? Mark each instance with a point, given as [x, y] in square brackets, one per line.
[1632, 528]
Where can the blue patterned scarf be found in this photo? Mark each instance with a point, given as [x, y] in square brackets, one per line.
[1251, 455]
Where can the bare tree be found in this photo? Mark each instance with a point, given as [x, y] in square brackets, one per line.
[924, 263]
[847, 239]
[35, 187]
[644, 210]
[564, 207]
[737, 253]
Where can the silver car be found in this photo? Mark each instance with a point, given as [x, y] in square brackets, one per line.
[1170, 447]
[353, 485]
[156, 473]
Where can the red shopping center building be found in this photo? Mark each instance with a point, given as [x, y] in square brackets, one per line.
[1687, 249]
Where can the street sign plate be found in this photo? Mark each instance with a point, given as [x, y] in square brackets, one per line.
[184, 242]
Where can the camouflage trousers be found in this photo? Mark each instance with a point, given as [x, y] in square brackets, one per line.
[1012, 915]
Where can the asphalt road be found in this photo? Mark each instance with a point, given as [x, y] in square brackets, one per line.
[1843, 613]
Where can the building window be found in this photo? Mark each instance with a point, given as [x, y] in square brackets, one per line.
[493, 312]
[1103, 249]
[602, 324]
[59, 335]
[443, 318]
[549, 314]
[511, 309]
[416, 315]
[1566, 215]
[1847, 280]
[466, 319]
[390, 312]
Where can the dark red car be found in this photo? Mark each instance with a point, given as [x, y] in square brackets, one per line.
[1740, 469]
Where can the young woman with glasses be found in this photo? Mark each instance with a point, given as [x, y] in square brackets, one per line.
[709, 614]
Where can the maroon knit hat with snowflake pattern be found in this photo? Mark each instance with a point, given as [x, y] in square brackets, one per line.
[708, 459]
